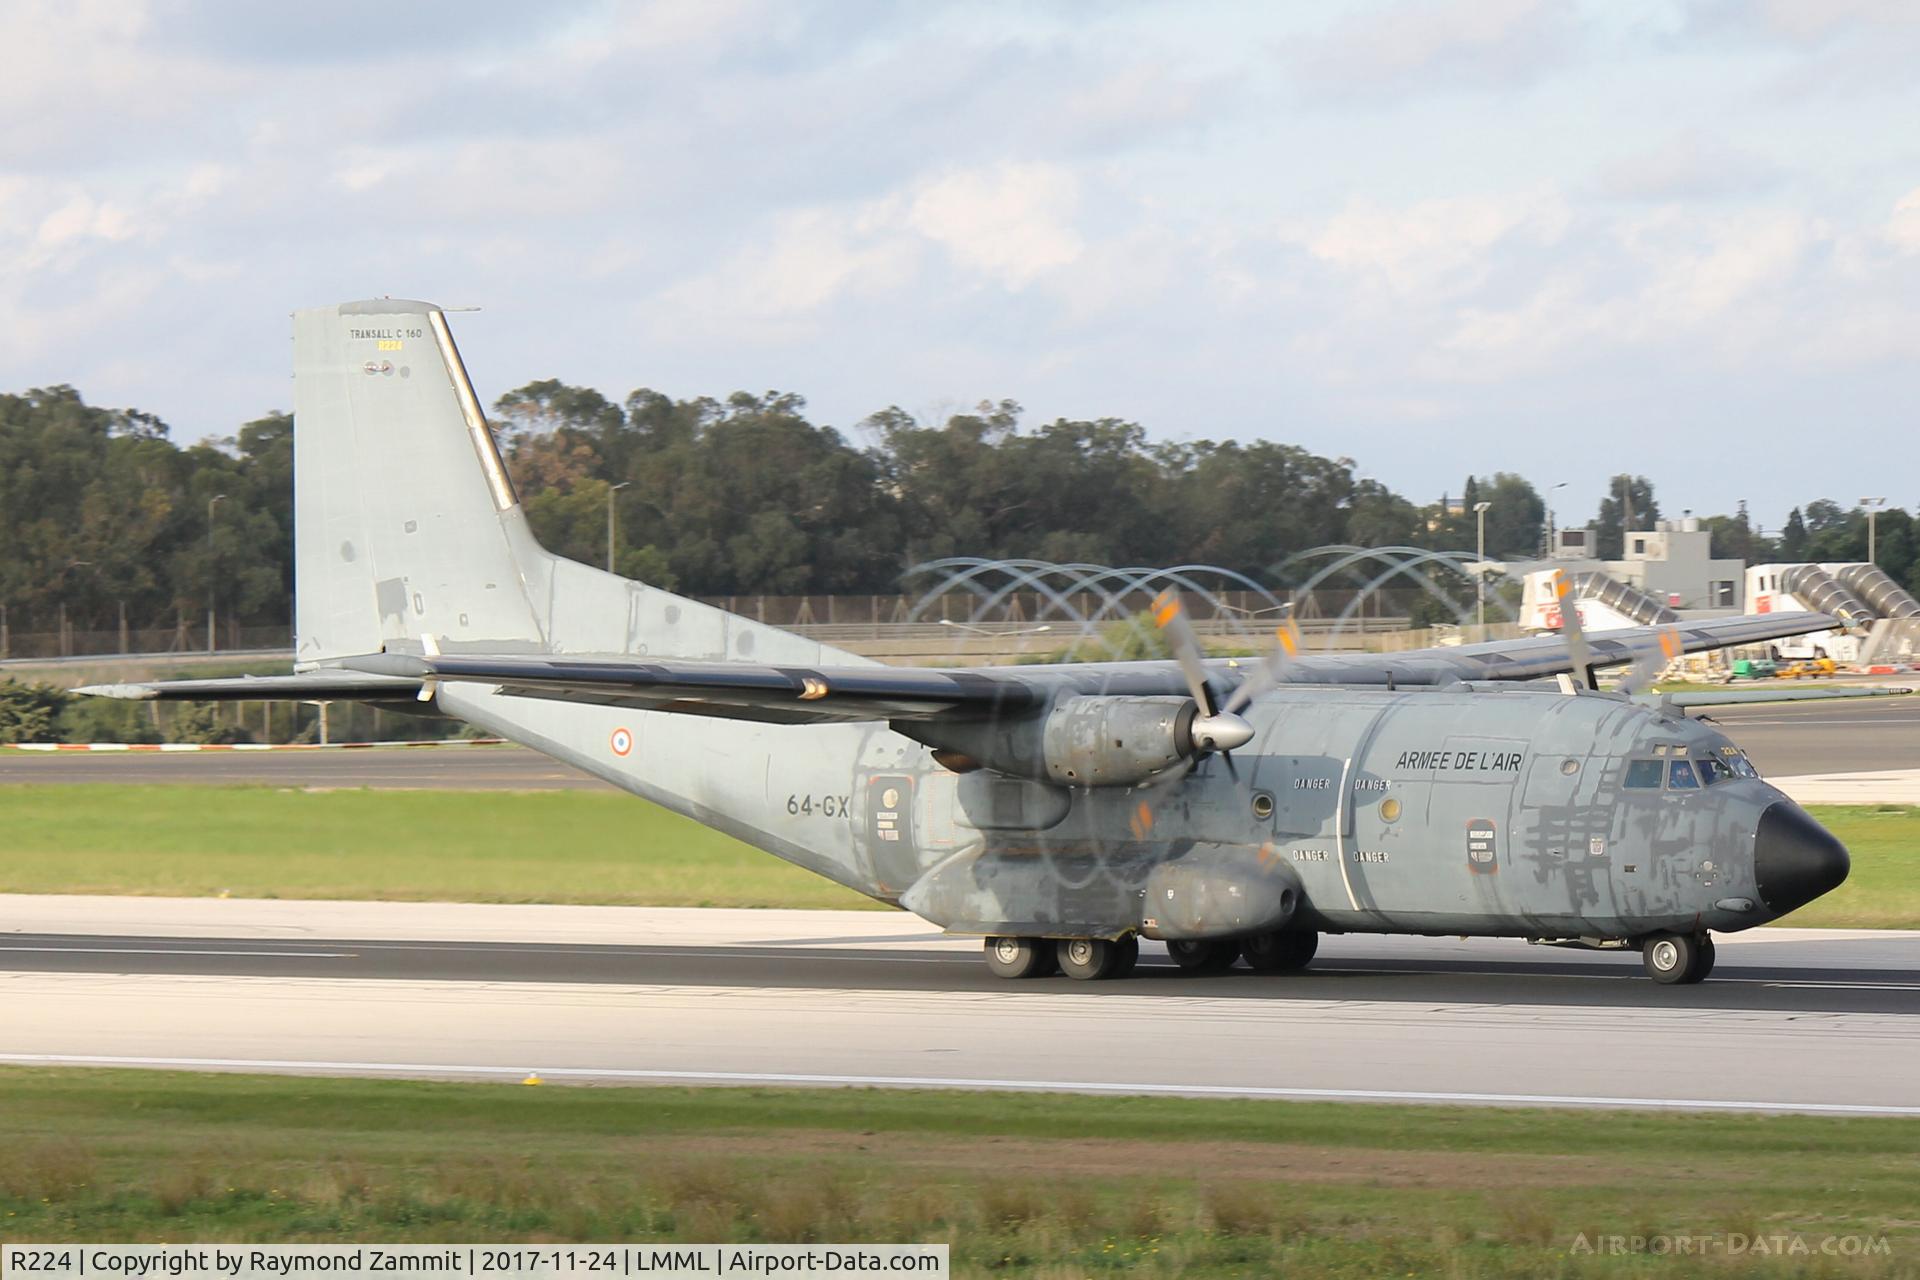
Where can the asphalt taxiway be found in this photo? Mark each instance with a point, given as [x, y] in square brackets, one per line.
[1813, 1020]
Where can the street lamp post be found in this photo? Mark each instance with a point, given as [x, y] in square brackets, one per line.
[1551, 490]
[1480, 569]
[611, 528]
[213, 571]
[1873, 506]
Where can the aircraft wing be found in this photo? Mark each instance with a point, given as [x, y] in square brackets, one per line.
[1535, 657]
[1788, 693]
[813, 695]
[329, 685]
[736, 691]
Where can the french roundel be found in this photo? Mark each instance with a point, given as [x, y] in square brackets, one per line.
[622, 741]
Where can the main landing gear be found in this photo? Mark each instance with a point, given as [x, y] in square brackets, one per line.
[1677, 958]
[1282, 951]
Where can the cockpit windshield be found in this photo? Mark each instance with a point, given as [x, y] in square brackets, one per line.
[1673, 769]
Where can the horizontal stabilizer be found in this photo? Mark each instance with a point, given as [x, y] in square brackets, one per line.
[311, 686]
[733, 690]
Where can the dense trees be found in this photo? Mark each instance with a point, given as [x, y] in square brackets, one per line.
[100, 510]
[1629, 500]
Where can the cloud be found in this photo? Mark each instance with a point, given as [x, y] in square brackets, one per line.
[1691, 166]
[1423, 45]
[812, 260]
[1903, 229]
[1010, 224]
[1435, 246]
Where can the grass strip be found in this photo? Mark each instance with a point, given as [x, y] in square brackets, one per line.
[1017, 1184]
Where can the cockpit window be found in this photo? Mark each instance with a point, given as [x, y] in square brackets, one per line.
[1681, 776]
[1644, 774]
[1737, 761]
[1713, 769]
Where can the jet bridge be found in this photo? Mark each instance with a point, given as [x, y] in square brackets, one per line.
[1818, 589]
[1605, 603]
[1887, 598]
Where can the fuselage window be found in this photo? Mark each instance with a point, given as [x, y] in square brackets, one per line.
[1714, 770]
[1681, 777]
[1644, 774]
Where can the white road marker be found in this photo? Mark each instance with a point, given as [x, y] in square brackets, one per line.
[172, 951]
[946, 1082]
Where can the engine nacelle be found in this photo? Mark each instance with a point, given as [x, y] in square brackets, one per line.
[1116, 742]
[1080, 741]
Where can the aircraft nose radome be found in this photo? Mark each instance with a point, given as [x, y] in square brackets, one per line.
[1795, 859]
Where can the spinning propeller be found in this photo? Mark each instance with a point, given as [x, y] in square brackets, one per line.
[1220, 727]
[1646, 667]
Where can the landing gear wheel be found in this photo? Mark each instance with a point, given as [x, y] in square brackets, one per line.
[1091, 958]
[1704, 965]
[1676, 958]
[1210, 956]
[1281, 951]
[1019, 957]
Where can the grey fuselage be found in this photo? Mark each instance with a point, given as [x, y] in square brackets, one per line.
[1467, 809]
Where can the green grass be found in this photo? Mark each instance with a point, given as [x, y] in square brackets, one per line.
[478, 846]
[453, 846]
[1015, 1183]
[1883, 889]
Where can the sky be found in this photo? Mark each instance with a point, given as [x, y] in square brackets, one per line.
[1434, 236]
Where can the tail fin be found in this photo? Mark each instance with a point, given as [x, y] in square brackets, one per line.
[406, 524]
[399, 491]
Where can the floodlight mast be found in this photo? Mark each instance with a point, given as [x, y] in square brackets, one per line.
[1480, 570]
[1873, 506]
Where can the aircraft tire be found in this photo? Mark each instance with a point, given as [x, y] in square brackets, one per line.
[1281, 951]
[1672, 958]
[1210, 956]
[1703, 960]
[1088, 959]
[1019, 957]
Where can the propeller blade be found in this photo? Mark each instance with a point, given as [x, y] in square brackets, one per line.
[1571, 628]
[1213, 729]
[1648, 666]
[1286, 647]
[1171, 617]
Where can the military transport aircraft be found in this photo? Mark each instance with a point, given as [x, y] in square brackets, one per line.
[1062, 813]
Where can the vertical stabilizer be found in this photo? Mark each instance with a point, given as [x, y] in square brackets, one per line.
[406, 525]
[400, 523]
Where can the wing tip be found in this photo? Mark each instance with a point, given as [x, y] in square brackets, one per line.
[125, 692]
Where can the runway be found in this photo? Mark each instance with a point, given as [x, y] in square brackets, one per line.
[1784, 739]
[1809, 1020]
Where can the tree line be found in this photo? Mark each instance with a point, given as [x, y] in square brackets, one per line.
[101, 511]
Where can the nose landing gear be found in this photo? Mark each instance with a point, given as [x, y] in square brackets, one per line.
[1677, 958]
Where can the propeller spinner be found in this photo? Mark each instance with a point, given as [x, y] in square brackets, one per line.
[1215, 729]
